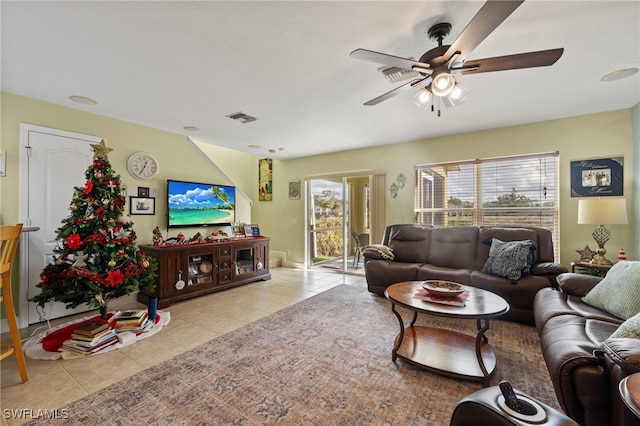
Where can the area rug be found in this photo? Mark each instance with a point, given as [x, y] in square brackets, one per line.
[325, 360]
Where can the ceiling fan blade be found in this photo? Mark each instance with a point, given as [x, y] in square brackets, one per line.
[394, 92]
[488, 18]
[385, 59]
[541, 58]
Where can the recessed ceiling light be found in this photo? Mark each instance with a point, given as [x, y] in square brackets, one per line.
[272, 151]
[255, 146]
[619, 74]
[191, 128]
[82, 100]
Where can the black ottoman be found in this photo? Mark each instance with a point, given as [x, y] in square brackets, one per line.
[486, 407]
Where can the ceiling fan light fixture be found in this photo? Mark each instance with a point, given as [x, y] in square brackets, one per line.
[456, 97]
[443, 84]
[422, 98]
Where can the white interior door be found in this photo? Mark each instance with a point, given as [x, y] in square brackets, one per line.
[52, 163]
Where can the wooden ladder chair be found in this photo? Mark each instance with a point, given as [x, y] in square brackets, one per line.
[9, 238]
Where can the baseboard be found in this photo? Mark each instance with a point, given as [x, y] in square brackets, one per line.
[284, 261]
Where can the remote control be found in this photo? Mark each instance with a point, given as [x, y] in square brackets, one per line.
[510, 397]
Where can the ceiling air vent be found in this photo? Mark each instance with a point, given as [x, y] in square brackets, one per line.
[395, 74]
[242, 117]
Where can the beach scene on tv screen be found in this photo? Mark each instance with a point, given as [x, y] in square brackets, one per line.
[198, 204]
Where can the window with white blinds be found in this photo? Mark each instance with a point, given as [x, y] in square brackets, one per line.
[507, 191]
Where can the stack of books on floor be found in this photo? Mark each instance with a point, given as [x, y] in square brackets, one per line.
[135, 321]
[90, 338]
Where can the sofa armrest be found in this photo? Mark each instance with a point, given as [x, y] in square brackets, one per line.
[548, 268]
[577, 284]
[622, 353]
[621, 358]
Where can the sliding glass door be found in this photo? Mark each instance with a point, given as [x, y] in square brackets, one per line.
[328, 221]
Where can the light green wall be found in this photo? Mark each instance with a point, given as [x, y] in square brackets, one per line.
[592, 136]
[178, 157]
[598, 135]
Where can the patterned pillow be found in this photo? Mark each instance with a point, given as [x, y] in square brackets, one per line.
[510, 259]
[378, 251]
[619, 292]
[629, 329]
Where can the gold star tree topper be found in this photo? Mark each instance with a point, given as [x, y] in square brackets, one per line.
[100, 150]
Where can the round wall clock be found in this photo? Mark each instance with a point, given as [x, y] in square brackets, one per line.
[143, 166]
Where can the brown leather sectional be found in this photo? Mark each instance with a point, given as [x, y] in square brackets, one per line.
[585, 365]
[458, 253]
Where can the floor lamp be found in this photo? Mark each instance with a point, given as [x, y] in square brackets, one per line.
[602, 211]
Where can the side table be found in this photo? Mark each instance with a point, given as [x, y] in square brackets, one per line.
[581, 267]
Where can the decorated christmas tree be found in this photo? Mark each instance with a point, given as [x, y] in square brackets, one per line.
[96, 259]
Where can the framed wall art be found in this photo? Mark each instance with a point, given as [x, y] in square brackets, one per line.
[139, 205]
[265, 177]
[598, 177]
[294, 189]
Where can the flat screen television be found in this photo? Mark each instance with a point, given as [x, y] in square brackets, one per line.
[192, 204]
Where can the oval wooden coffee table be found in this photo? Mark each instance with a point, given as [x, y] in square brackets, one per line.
[445, 351]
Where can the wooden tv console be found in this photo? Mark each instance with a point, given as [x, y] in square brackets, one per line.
[191, 270]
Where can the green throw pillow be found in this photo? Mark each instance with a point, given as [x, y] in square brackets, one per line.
[629, 329]
[510, 259]
[619, 292]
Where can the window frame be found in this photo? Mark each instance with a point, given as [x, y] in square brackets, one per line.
[432, 200]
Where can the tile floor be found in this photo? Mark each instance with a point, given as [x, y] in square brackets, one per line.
[54, 384]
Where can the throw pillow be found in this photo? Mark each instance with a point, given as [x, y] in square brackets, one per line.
[510, 259]
[629, 329]
[619, 291]
[379, 250]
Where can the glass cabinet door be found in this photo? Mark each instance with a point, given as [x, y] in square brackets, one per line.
[200, 269]
[244, 261]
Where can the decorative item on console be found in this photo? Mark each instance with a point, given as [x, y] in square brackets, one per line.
[157, 236]
[180, 239]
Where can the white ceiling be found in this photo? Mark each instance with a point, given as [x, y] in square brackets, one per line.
[174, 64]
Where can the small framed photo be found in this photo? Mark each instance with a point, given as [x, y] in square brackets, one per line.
[139, 205]
[237, 229]
[255, 230]
[143, 192]
[294, 189]
[248, 231]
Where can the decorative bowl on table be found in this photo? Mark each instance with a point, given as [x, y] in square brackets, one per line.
[443, 288]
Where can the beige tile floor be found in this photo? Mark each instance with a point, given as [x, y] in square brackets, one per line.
[54, 384]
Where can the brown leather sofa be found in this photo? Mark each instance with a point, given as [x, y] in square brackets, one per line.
[585, 365]
[458, 253]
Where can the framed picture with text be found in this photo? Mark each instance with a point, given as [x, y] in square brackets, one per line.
[598, 177]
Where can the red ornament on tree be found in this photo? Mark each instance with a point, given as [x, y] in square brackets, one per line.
[73, 241]
[88, 187]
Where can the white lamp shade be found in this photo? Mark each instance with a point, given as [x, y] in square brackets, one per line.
[602, 211]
